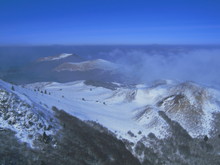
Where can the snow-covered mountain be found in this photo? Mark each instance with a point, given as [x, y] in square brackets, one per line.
[87, 65]
[65, 68]
[164, 110]
[136, 109]
[147, 118]
[54, 58]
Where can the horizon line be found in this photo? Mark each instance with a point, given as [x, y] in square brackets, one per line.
[117, 44]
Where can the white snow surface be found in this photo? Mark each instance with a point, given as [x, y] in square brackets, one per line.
[53, 58]
[124, 109]
[127, 109]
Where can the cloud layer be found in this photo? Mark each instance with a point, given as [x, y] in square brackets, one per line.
[202, 66]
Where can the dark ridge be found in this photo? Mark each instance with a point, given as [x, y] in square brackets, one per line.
[177, 129]
[78, 143]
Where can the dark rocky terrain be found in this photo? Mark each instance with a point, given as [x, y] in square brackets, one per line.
[76, 143]
[179, 149]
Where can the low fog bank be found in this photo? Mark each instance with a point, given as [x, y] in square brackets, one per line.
[201, 66]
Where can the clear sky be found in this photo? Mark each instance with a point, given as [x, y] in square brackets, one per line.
[109, 22]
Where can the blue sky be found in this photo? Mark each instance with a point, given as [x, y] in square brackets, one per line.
[109, 22]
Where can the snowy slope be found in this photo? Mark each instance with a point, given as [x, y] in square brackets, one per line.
[90, 103]
[27, 119]
[132, 112]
